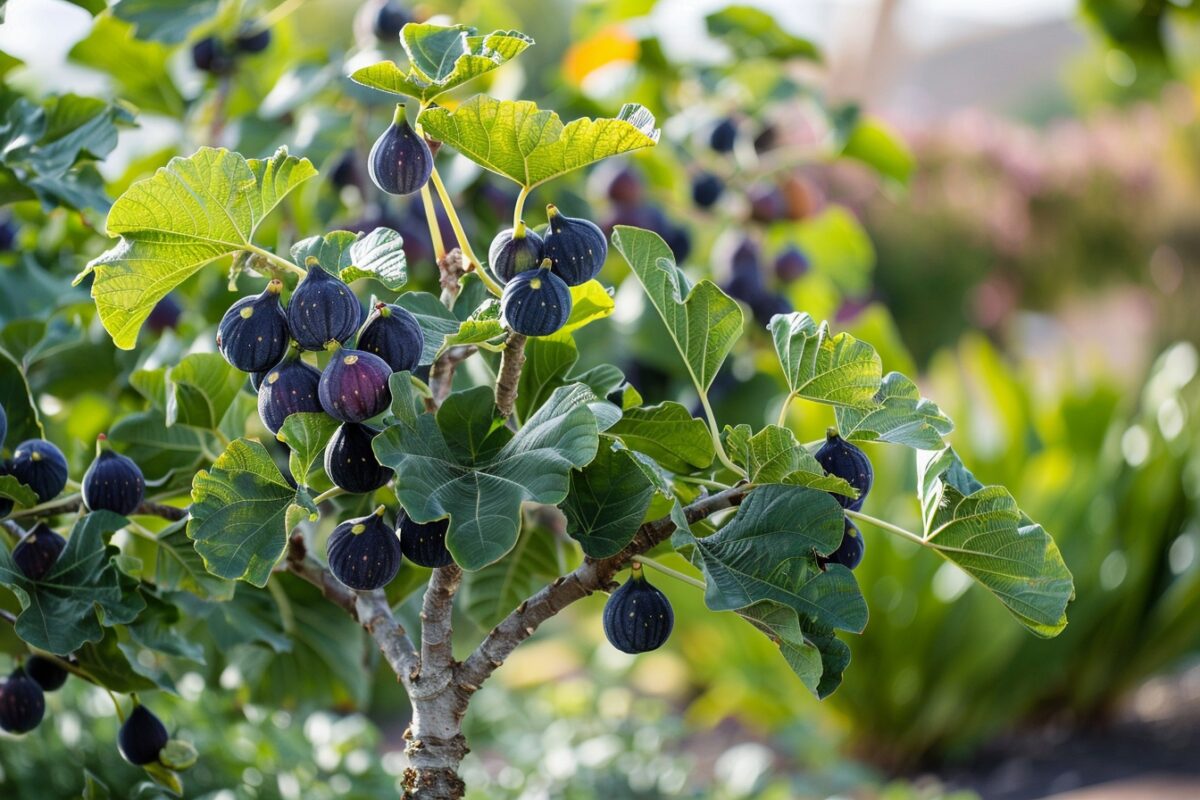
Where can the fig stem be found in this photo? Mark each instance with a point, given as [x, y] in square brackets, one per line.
[787, 401]
[665, 570]
[896, 530]
[435, 230]
[50, 505]
[705, 482]
[278, 261]
[473, 262]
[328, 495]
[398, 116]
[716, 437]
[519, 208]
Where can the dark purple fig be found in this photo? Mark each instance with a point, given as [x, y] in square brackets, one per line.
[514, 251]
[848, 462]
[576, 247]
[390, 20]
[164, 315]
[22, 703]
[252, 40]
[289, 388]
[8, 233]
[212, 56]
[723, 136]
[679, 239]
[322, 309]
[424, 544]
[767, 139]
[767, 203]
[621, 183]
[6, 503]
[400, 161]
[791, 264]
[37, 552]
[364, 553]
[42, 467]
[638, 617]
[346, 173]
[256, 380]
[48, 674]
[850, 552]
[351, 463]
[354, 386]
[536, 302]
[393, 334]
[113, 482]
[706, 189]
[142, 737]
[253, 334]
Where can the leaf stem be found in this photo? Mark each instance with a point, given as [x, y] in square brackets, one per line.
[787, 401]
[903, 533]
[665, 570]
[473, 263]
[519, 208]
[278, 261]
[716, 437]
[435, 231]
[61, 502]
[328, 495]
[116, 704]
[705, 482]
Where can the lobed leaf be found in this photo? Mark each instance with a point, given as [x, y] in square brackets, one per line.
[823, 367]
[901, 416]
[607, 502]
[669, 434]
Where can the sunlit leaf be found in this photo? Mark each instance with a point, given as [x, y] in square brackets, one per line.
[902, 416]
[823, 367]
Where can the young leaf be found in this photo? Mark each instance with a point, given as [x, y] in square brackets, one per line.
[590, 301]
[902, 416]
[703, 321]
[239, 512]
[822, 367]
[191, 213]
[306, 436]
[515, 139]
[483, 500]
[378, 254]
[59, 611]
[669, 434]
[774, 456]
[980, 529]
[482, 326]
[441, 58]
[607, 502]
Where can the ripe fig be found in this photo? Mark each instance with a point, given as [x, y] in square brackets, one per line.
[322, 309]
[42, 467]
[576, 247]
[706, 189]
[390, 20]
[791, 264]
[846, 461]
[212, 56]
[142, 737]
[424, 544]
[252, 40]
[536, 302]
[164, 315]
[346, 172]
[621, 183]
[113, 482]
[354, 386]
[850, 552]
[350, 462]
[767, 203]
[50, 675]
[289, 388]
[22, 703]
[393, 334]
[400, 161]
[514, 251]
[723, 136]
[253, 334]
[364, 553]
[638, 617]
[37, 552]
[256, 380]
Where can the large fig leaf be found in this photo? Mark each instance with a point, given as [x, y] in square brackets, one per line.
[902, 416]
[823, 367]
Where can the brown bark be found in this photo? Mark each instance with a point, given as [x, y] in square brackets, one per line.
[510, 374]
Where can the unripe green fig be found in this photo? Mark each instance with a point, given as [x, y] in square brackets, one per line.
[113, 482]
[364, 553]
[322, 310]
[638, 617]
[536, 302]
[513, 251]
[400, 162]
[253, 335]
[576, 247]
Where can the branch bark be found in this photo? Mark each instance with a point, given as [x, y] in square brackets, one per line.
[441, 374]
[510, 374]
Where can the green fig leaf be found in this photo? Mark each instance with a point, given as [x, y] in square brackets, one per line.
[607, 502]
[669, 434]
[901, 416]
[306, 436]
[819, 366]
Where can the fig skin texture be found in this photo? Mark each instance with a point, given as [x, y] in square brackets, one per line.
[142, 737]
[253, 335]
[393, 334]
[322, 310]
[38, 551]
[400, 161]
[576, 247]
[22, 703]
[850, 552]
[354, 386]
[514, 251]
[289, 388]
[113, 483]
[424, 544]
[50, 675]
[364, 553]
[350, 462]
[638, 617]
[536, 303]
[42, 467]
[848, 462]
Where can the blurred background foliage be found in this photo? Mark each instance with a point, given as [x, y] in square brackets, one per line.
[1038, 269]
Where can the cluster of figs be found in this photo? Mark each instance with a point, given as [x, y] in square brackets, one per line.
[113, 482]
[638, 617]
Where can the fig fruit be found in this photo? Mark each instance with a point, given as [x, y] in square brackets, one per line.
[289, 388]
[620, 182]
[37, 552]
[354, 386]
[164, 315]
[253, 334]
[22, 703]
[364, 553]
[252, 40]
[210, 55]
[536, 302]
[424, 544]
[846, 461]
[113, 482]
[638, 617]
[706, 189]
[390, 20]
[576, 247]
[42, 467]
[767, 203]
[350, 462]
[6, 503]
[393, 334]
[50, 675]
[850, 552]
[400, 161]
[142, 737]
[723, 136]
[513, 251]
[322, 309]
[346, 171]
[791, 264]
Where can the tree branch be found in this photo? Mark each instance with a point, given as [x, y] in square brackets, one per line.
[451, 269]
[510, 373]
[72, 503]
[437, 635]
[592, 575]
